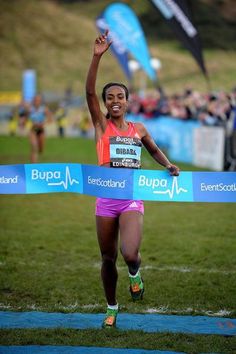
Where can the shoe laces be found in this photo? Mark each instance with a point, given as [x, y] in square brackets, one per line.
[136, 283]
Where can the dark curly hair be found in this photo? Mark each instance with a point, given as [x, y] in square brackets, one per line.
[107, 86]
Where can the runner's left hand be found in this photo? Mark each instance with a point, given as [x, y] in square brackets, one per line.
[173, 169]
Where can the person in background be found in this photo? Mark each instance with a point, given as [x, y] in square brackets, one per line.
[116, 217]
[61, 118]
[39, 114]
[12, 122]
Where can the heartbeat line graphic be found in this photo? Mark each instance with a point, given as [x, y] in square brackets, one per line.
[68, 181]
[174, 189]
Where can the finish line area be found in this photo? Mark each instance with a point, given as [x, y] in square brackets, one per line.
[143, 322]
[140, 322]
[21, 327]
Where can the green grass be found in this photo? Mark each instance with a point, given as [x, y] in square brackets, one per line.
[122, 339]
[49, 259]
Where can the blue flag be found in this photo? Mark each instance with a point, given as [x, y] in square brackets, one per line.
[122, 20]
[117, 47]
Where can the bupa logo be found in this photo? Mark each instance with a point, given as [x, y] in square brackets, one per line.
[158, 185]
[55, 178]
[161, 186]
[43, 178]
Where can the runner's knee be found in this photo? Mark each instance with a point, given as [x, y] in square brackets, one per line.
[109, 260]
[131, 257]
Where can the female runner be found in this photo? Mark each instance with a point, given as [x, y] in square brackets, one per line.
[39, 114]
[115, 217]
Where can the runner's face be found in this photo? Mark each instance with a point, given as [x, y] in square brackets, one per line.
[116, 102]
[37, 101]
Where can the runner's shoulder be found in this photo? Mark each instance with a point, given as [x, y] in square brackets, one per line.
[141, 129]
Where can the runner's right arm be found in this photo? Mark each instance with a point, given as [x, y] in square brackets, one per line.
[101, 45]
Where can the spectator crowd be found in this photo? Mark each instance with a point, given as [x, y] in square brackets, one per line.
[212, 109]
[216, 109]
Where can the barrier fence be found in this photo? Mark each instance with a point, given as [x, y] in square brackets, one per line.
[187, 141]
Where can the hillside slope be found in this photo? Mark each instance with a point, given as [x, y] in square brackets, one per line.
[56, 40]
[44, 36]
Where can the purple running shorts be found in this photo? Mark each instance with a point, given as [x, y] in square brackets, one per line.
[115, 207]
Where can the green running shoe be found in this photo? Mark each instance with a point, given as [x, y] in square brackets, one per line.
[136, 287]
[110, 319]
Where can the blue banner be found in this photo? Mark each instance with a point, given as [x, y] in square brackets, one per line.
[122, 20]
[118, 183]
[28, 85]
[51, 178]
[214, 186]
[108, 182]
[159, 185]
[12, 179]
